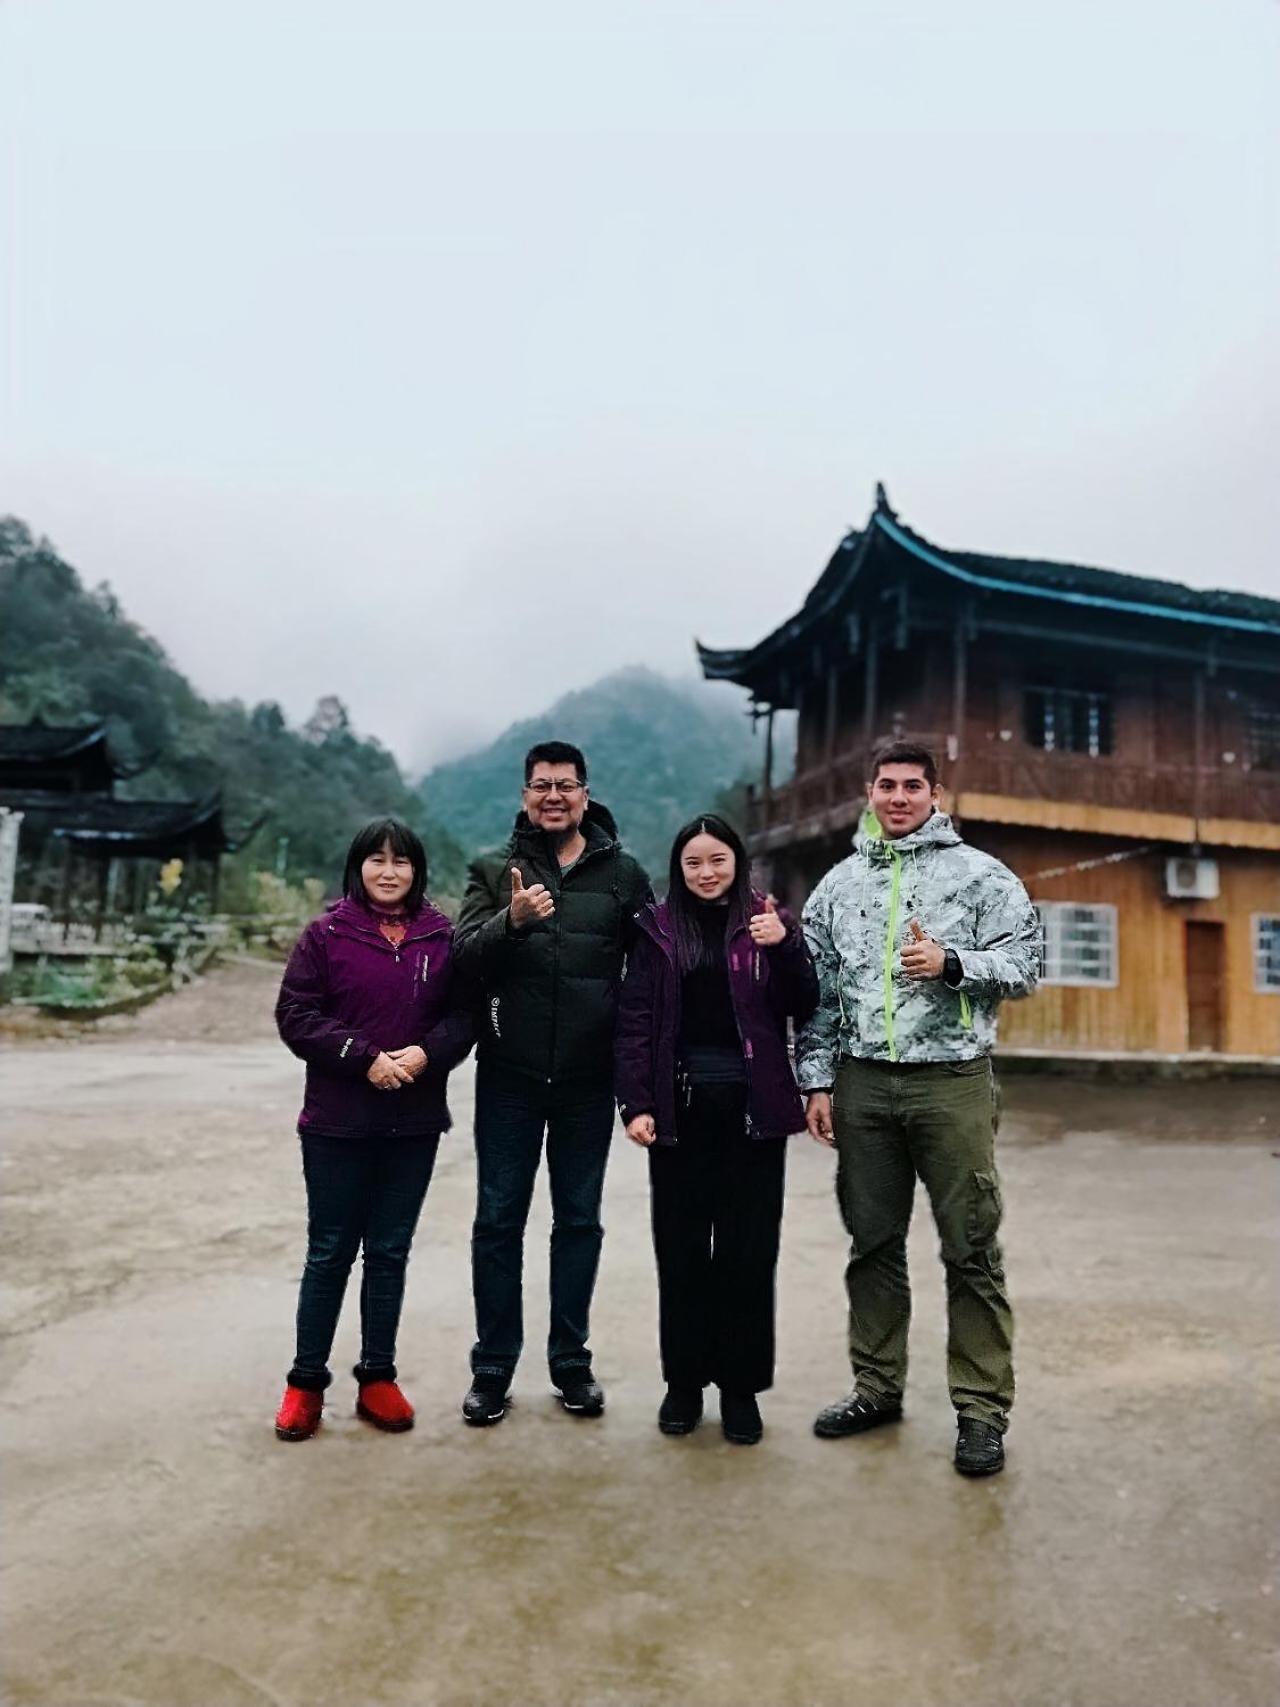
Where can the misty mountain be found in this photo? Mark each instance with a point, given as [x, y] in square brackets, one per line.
[658, 751]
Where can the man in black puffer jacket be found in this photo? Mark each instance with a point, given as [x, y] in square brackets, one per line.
[542, 935]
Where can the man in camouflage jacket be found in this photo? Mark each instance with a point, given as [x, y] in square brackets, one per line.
[917, 939]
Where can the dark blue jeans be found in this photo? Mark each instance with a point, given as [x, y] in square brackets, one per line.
[512, 1113]
[360, 1191]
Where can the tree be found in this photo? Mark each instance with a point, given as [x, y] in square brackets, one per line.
[329, 718]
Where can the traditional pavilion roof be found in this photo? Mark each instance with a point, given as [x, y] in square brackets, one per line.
[40, 755]
[127, 829]
[1220, 611]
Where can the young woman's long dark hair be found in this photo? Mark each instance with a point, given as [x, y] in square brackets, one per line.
[405, 843]
[683, 904]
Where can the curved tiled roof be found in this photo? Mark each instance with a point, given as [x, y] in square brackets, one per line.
[37, 743]
[1069, 583]
[101, 822]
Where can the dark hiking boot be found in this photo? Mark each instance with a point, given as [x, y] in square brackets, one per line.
[484, 1405]
[979, 1448]
[579, 1393]
[855, 1415]
[681, 1411]
[740, 1419]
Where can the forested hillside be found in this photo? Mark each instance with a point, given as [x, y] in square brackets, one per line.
[658, 751]
[69, 655]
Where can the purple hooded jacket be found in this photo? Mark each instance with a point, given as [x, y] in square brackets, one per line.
[765, 985]
[347, 993]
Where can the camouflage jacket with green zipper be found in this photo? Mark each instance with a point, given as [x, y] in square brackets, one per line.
[857, 921]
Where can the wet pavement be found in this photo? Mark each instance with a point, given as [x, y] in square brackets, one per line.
[161, 1547]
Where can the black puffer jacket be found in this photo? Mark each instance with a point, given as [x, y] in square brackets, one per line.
[549, 993]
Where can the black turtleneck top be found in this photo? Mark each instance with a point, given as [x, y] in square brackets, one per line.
[706, 1008]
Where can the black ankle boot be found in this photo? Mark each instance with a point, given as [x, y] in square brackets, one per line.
[740, 1418]
[681, 1411]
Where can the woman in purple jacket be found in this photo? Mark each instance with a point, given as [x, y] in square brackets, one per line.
[371, 1003]
[704, 1081]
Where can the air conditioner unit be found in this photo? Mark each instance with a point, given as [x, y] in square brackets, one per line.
[1191, 879]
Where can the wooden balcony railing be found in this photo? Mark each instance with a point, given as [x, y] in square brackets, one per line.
[832, 794]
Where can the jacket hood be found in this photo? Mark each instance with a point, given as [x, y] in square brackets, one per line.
[598, 826]
[937, 831]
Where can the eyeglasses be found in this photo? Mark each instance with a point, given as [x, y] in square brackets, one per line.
[542, 786]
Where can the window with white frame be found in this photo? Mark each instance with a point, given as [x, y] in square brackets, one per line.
[1079, 943]
[1068, 720]
[1266, 951]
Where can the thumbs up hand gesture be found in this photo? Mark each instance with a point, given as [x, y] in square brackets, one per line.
[922, 957]
[767, 928]
[528, 905]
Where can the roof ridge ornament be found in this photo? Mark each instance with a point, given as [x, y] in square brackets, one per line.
[883, 506]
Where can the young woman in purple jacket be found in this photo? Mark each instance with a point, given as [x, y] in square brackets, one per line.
[371, 1003]
[704, 1082]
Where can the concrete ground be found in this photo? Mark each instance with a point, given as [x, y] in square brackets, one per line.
[161, 1546]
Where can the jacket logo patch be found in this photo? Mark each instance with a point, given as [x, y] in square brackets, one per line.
[493, 1016]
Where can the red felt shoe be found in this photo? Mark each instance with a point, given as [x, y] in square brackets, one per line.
[299, 1415]
[385, 1406]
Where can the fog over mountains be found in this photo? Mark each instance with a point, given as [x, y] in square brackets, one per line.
[658, 750]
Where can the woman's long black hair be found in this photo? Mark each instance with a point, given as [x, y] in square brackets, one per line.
[404, 842]
[682, 904]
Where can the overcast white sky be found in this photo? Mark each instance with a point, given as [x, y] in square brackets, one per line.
[447, 364]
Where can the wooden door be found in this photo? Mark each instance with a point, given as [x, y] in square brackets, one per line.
[1205, 985]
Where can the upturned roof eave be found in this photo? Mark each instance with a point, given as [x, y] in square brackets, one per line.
[78, 740]
[751, 666]
[75, 740]
[155, 823]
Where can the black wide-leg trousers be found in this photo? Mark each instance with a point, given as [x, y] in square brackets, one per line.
[717, 1214]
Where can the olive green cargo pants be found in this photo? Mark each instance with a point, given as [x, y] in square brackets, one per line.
[894, 1123]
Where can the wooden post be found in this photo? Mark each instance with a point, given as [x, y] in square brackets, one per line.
[1197, 781]
[959, 698]
[870, 689]
[100, 899]
[833, 709]
[902, 624]
[10, 825]
[766, 781]
[64, 905]
[113, 888]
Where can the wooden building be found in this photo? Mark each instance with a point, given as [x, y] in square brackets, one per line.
[1114, 739]
[77, 835]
